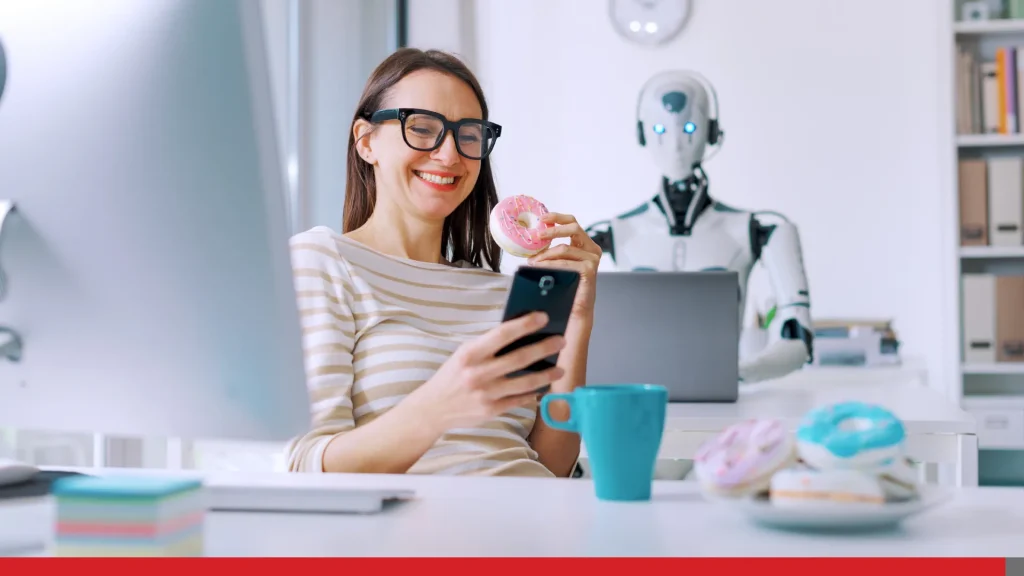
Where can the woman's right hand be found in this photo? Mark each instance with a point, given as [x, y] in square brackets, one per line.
[472, 386]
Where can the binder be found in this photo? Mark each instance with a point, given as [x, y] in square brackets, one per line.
[1010, 319]
[1006, 201]
[963, 94]
[979, 318]
[973, 176]
[1010, 87]
[1003, 108]
[990, 97]
[1017, 77]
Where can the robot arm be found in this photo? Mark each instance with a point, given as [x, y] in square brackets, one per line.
[790, 337]
[602, 235]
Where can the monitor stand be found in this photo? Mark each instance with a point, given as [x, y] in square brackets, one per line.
[14, 472]
[301, 500]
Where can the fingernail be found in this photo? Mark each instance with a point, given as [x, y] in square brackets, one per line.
[540, 318]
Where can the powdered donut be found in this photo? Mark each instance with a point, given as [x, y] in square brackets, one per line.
[741, 460]
[515, 225]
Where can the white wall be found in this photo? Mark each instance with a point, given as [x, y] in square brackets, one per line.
[342, 42]
[275, 28]
[833, 112]
[444, 25]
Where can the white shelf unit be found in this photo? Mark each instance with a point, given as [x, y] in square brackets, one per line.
[992, 369]
[989, 140]
[992, 252]
[994, 393]
[1000, 421]
[988, 28]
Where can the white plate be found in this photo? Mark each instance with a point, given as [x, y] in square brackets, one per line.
[836, 518]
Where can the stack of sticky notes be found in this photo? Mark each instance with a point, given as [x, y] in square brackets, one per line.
[128, 516]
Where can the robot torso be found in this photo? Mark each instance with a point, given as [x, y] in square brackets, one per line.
[722, 238]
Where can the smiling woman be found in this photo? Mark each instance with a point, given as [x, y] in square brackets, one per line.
[402, 312]
[399, 137]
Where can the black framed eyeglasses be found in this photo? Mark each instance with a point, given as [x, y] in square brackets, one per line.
[425, 130]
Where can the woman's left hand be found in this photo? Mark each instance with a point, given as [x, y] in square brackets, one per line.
[582, 254]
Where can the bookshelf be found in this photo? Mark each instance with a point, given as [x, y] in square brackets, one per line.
[988, 177]
[995, 368]
[989, 27]
[991, 252]
[989, 140]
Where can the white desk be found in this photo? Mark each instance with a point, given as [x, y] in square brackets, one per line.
[560, 517]
[938, 431]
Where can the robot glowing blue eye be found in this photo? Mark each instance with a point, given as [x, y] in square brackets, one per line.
[659, 129]
[689, 127]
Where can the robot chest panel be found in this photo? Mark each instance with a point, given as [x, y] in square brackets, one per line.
[659, 251]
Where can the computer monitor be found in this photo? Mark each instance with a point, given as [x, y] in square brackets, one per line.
[145, 264]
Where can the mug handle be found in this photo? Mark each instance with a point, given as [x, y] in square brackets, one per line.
[570, 424]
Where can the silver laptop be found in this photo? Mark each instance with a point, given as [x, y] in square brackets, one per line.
[677, 329]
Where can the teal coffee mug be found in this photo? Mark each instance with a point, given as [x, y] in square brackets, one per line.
[621, 426]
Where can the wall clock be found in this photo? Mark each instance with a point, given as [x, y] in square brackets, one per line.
[648, 22]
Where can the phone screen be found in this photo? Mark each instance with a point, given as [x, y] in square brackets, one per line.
[547, 290]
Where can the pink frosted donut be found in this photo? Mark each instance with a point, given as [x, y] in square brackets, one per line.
[742, 459]
[515, 225]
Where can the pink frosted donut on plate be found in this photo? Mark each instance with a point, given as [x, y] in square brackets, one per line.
[515, 225]
[742, 459]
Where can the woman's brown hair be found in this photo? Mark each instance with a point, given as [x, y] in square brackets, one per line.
[464, 236]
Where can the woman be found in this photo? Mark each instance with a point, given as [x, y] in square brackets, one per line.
[402, 313]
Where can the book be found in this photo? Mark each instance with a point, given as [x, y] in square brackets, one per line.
[990, 92]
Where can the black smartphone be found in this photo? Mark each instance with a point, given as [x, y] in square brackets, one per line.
[547, 290]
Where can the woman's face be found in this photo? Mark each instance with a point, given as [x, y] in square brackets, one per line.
[426, 185]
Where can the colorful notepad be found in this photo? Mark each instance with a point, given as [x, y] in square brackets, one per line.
[129, 516]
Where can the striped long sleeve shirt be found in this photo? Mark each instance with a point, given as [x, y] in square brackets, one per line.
[375, 327]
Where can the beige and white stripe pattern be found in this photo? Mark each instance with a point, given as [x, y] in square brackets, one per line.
[376, 327]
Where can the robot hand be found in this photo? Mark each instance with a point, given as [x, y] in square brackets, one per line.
[776, 360]
[790, 338]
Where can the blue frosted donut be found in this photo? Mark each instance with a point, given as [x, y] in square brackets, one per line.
[850, 435]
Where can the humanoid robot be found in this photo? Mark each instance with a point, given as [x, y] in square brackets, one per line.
[682, 228]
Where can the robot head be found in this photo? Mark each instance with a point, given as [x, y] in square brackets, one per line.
[675, 121]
